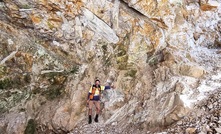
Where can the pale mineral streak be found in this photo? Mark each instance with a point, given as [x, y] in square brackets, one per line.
[99, 26]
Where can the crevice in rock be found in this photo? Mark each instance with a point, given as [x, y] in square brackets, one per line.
[137, 14]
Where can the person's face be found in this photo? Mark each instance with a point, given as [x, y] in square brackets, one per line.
[97, 82]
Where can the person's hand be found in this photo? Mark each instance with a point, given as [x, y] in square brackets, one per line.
[112, 86]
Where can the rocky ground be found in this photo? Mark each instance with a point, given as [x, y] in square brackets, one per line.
[204, 118]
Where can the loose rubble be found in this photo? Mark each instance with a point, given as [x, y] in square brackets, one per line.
[205, 118]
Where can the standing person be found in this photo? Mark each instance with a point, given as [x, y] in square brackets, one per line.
[94, 99]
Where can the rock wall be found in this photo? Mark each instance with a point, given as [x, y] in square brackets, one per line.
[162, 57]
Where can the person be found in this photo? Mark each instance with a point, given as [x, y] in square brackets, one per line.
[93, 98]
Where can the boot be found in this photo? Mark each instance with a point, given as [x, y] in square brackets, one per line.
[90, 120]
[96, 118]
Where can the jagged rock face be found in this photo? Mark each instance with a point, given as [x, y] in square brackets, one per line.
[162, 56]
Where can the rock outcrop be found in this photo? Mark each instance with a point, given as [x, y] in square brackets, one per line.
[161, 56]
